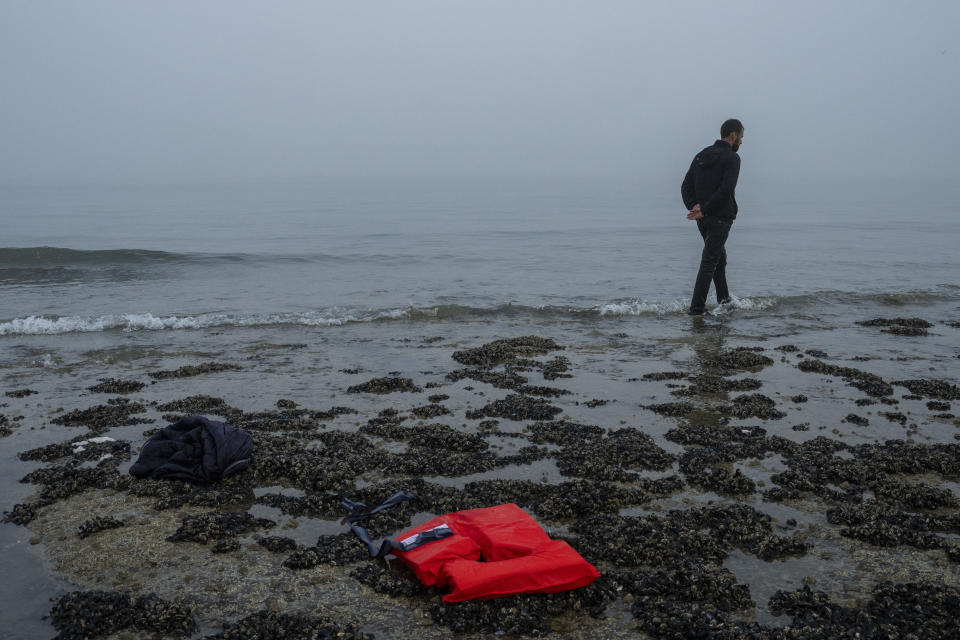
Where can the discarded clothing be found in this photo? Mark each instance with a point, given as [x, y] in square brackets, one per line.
[481, 553]
[194, 449]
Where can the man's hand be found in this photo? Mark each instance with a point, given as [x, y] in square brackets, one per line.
[695, 213]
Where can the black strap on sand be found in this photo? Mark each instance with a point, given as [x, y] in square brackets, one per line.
[359, 511]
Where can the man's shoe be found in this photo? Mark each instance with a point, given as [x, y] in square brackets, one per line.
[695, 312]
[725, 301]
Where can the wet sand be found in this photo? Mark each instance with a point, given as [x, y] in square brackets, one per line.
[745, 485]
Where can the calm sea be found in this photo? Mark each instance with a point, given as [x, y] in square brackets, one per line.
[92, 259]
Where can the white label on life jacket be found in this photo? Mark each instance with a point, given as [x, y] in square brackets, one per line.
[411, 539]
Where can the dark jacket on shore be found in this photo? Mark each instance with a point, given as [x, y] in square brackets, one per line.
[712, 180]
[194, 449]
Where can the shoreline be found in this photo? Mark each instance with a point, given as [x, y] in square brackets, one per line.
[710, 453]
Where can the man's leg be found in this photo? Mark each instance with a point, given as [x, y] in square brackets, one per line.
[714, 234]
[720, 278]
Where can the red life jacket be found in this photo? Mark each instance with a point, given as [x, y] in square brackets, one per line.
[494, 552]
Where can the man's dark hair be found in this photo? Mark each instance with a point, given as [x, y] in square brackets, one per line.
[730, 126]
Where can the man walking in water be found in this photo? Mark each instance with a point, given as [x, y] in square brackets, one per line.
[708, 194]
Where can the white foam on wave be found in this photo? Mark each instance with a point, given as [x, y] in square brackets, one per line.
[39, 325]
[641, 307]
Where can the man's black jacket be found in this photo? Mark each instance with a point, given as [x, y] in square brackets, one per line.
[194, 449]
[712, 180]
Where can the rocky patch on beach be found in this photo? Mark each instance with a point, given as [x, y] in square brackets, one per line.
[194, 370]
[113, 385]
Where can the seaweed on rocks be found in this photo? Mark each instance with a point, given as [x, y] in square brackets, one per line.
[117, 412]
[800, 398]
[332, 413]
[754, 405]
[432, 410]
[336, 550]
[673, 409]
[22, 513]
[446, 438]
[205, 527]
[894, 417]
[688, 581]
[90, 614]
[272, 624]
[739, 358]
[723, 482]
[936, 389]
[788, 348]
[611, 457]
[20, 393]
[523, 614]
[711, 384]
[171, 494]
[504, 351]
[299, 420]
[113, 385]
[381, 579]
[278, 544]
[665, 375]
[564, 433]
[907, 610]
[596, 402]
[199, 404]
[333, 465]
[80, 448]
[884, 525]
[227, 545]
[517, 407]
[62, 481]
[936, 405]
[440, 397]
[704, 535]
[385, 385]
[311, 506]
[100, 523]
[914, 496]
[417, 461]
[899, 456]
[872, 385]
[556, 368]
[194, 370]
[906, 331]
[918, 323]
[853, 418]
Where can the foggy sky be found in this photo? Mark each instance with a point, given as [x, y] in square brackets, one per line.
[156, 92]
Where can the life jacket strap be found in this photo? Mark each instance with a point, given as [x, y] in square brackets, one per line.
[358, 511]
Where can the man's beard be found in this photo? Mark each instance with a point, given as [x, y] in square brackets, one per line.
[736, 145]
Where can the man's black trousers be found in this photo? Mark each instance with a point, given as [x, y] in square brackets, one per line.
[713, 262]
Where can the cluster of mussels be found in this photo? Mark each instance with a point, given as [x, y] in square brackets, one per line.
[670, 565]
[81, 615]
